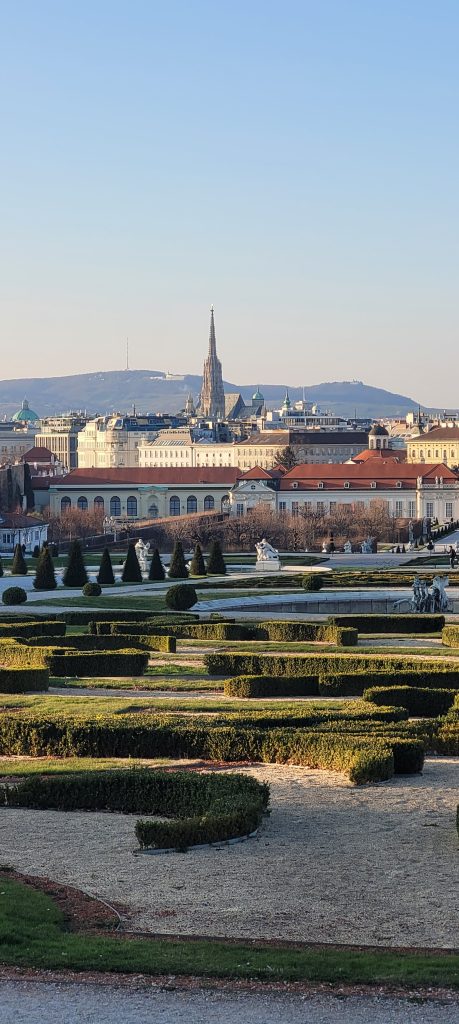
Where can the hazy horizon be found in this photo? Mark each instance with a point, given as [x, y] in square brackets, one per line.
[293, 164]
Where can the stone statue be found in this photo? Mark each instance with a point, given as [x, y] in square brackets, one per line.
[266, 553]
[348, 547]
[142, 551]
[366, 547]
[410, 532]
[430, 599]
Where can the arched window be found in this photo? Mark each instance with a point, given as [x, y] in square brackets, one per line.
[115, 506]
[225, 503]
[174, 506]
[66, 503]
[209, 502]
[192, 504]
[132, 506]
[82, 503]
[99, 504]
[153, 511]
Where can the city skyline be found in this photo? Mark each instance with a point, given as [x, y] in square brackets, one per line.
[295, 167]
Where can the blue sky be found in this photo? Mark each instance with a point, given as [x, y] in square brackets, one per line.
[296, 164]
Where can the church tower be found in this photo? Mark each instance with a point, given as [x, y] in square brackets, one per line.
[212, 400]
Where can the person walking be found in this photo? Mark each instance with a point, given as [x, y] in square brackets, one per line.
[452, 556]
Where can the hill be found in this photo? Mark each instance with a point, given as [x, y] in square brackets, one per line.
[153, 391]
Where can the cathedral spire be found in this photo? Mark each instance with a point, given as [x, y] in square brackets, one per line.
[212, 401]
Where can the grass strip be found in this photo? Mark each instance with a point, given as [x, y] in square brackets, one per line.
[32, 934]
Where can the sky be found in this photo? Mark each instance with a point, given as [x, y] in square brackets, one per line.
[293, 163]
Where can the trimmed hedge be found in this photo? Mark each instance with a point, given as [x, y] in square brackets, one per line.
[23, 680]
[323, 665]
[221, 806]
[100, 663]
[410, 623]
[419, 702]
[271, 686]
[364, 759]
[14, 595]
[450, 636]
[21, 655]
[104, 626]
[354, 684]
[42, 627]
[297, 632]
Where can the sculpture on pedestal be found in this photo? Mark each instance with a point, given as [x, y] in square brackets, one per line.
[142, 551]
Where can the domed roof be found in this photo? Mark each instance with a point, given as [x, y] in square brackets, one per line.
[25, 414]
[257, 396]
[378, 430]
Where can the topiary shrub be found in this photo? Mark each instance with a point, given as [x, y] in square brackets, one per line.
[132, 572]
[36, 551]
[177, 566]
[75, 574]
[313, 581]
[181, 597]
[215, 562]
[197, 567]
[14, 595]
[156, 573]
[92, 589]
[19, 566]
[44, 575]
[105, 575]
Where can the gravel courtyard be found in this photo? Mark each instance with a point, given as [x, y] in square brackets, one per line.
[333, 863]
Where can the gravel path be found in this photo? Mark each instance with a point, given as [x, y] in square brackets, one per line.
[26, 1002]
[334, 863]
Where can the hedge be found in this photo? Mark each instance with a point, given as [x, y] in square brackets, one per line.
[41, 627]
[446, 740]
[362, 759]
[211, 807]
[354, 684]
[418, 701]
[23, 680]
[296, 632]
[104, 625]
[100, 663]
[271, 686]
[21, 655]
[410, 623]
[450, 636]
[231, 664]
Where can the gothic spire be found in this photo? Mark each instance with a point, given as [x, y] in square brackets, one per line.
[212, 400]
[212, 341]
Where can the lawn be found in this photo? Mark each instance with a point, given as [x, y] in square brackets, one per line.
[33, 934]
[160, 682]
[91, 708]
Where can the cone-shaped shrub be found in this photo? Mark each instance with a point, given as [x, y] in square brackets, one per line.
[19, 566]
[215, 562]
[131, 569]
[197, 567]
[105, 575]
[44, 576]
[177, 567]
[75, 574]
[156, 567]
[1, 568]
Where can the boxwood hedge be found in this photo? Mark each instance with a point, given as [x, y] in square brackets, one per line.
[409, 623]
[418, 701]
[98, 663]
[271, 686]
[23, 680]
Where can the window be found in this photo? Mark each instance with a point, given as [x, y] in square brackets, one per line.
[445, 455]
[333, 506]
[448, 510]
[282, 506]
[131, 507]
[411, 509]
[346, 484]
[153, 511]
[294, 508]
[429, 509]
[174, 506]
[99, 504]
[320, 507]
[225, 503]
[399, 508]
[65, 504]
[191, 503]
[373, 484]
[208, 502]
[82, 504]
[240, 509]
[115, 506]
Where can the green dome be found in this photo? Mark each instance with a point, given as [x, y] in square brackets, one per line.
[25, 414]
[258, 397]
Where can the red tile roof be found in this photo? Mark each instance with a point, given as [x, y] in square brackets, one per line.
[36, 454]
[225, 475]
[256, 473]
[362, 475]
[378, 453]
